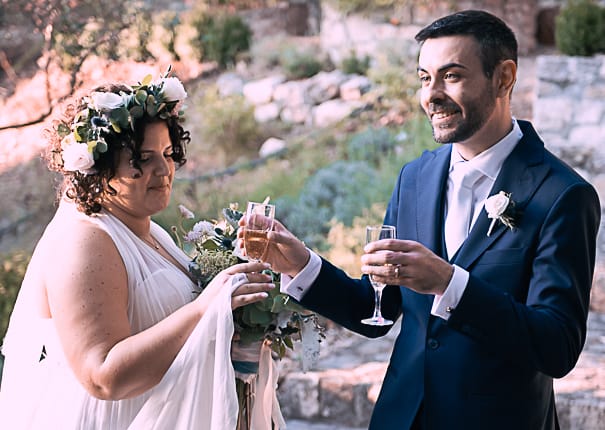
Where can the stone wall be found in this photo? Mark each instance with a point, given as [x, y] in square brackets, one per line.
[365, 34]
[569, 114]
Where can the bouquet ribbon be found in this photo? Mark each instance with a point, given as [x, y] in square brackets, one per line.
[255, 365]
[266, 406]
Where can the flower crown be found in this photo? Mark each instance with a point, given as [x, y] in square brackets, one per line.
[83, 141]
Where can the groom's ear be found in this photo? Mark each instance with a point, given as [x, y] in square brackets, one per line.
[505, 75]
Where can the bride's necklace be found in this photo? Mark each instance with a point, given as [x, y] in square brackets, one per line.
[153, 243]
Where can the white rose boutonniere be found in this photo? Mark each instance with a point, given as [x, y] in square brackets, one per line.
[500, 207]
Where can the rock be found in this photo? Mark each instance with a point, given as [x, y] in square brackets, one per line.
[325, 86]
[271, 146]
[261, 91]
[333, 111]
[229, 84]
[355, 87]
[267, 112]
[299, 114]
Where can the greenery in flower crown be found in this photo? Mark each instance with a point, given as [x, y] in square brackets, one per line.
[83, 140]
[213, 247]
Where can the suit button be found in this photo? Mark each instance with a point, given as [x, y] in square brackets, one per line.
[433, 343]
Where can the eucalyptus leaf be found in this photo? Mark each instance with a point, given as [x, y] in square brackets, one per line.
[151, 106]
[101, 146]
[210, 245]
[264, 305]
[137, 112]
[63, 130]
[278, 305]
[250, 336]
[116, 127]
[259, 317]
[146, 80]
[79, 133]
[120, 117]
[140, 97]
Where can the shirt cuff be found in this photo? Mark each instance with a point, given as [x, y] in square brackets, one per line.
[443, 305]
[298, 286]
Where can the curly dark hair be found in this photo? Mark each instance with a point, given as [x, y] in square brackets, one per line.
[87, 190]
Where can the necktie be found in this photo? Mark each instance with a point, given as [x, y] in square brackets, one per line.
[460, 206]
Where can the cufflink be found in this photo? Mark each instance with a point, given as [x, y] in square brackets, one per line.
[449, 309]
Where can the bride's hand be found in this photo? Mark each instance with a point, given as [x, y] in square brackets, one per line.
[254, 289]
[285, 252]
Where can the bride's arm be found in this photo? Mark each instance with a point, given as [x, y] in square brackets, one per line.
[88, 298]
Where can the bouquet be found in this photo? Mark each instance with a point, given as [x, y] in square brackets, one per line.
[263, 329]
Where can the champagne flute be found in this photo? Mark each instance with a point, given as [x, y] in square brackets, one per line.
[259, 222]
[374, 233]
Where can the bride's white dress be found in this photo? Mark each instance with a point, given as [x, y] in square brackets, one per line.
[197, 392]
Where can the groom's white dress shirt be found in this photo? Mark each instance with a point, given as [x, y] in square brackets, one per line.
[489, 163]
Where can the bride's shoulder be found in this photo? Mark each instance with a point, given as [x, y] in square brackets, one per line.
[69, 234]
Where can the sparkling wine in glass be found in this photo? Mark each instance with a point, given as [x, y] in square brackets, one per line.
[259, 222]
[374, 233]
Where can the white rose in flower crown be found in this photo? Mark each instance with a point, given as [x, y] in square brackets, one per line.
[104, 101]
[77, 157]
[173, 90]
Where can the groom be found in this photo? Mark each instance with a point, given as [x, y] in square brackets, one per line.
[486, 324]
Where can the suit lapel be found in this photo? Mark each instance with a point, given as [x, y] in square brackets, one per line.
[521, 174]
[430, 190]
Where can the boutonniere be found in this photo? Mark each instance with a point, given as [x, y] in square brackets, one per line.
[500, 207]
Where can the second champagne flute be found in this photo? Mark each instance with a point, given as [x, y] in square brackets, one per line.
[259, 222]
[374, 233]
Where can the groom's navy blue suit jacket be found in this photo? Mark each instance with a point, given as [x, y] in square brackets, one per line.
[522, 318]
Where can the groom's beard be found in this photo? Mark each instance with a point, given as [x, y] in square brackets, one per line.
[461, 128]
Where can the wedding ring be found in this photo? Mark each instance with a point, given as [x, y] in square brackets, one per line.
[397, 271]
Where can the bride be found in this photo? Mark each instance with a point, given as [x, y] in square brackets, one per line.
[108, 331]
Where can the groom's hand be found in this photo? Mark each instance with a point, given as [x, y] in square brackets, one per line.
[286, 253]
[407, 263]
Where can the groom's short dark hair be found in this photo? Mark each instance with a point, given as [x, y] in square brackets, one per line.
[496, 40]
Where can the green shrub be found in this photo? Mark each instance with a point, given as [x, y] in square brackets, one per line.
[337, 192]
[12, 271]
[228, 127]
[220, 37]
[353, 65]
[394, 71]
[372, 145]
[170, 21]
[347, 242]
[580, 28]
[299, 64]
